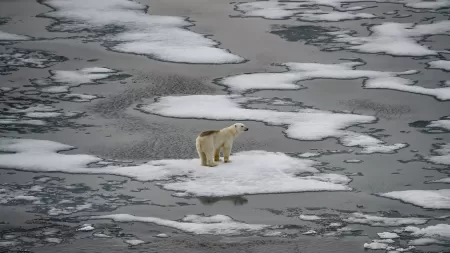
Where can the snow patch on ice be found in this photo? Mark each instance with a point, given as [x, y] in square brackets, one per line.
[333, 16]
[442, 154]
[445, 124]
[435, 199]
[388, 235]
[201, 225]
[309, 217]
[258, 171]
[134, 242]
[375, 245]
[132, 30]
[304, 124]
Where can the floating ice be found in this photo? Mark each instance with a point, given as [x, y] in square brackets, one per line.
[425, 241]
[298, 72]
[13, 58]
[375, 245]
[378, 221]
[442, 180]
[270, 9]
[10, 36]
[75, 97]
[251, 172]
[310, 232]
[440, 64]
[162, 236]
[435, 199]
[69, 210]
[213, 225]
[388, 235]
[353, 161]
[400, 39]
[53, 240]
[442, 155]
[43, 114]
[86, 227]
[132, 30]
[309, 154]
[13, 121]
[134, 242]
[436, 234]
[445, 124]
[309, 217]
[304, 124]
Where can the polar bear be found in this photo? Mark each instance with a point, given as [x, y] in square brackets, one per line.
[209, 143]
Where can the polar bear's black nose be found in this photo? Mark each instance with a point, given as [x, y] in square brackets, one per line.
[246, 129]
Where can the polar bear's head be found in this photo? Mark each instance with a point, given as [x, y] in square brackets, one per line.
[240, 127]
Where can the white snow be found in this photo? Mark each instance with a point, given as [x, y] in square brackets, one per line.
[53, 240]
[270, 9]
[435, 199]
[442, 155]
[399, 39]
[160, 37]
[43, 114]
[439, 64]
[69, 210]
[250, 172]
[82, 76]
[221, 225]
[375, 245]
[304, 124]
[435, 234]
[11, 36]
[134, 242]
[31, 122]
[310, 232]
[442, 180]
[353, 161]
[162, 236]
[309, 217]
[378, 221]
[388, 235]
[309, 154]
[86, 227]
[298, 72]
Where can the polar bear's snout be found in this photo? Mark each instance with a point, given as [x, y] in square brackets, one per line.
[246, 129]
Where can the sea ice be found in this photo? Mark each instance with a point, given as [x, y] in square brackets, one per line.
[251, 172]
[378, 221]
[375, 245]
[132, 29]
[435, 199]
[304, 124]
[134, 242]
[440, 64]
[388, 235]
[333, 16]
[309, 217]
[445, 124]
[213, 225]
[10, 36]
[442, 155]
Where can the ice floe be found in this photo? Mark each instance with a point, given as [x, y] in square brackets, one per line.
[378, 221]
[251, 172]
[434, 199]
[13, 58]
[435, 234]
[86, 227]
[333, 16]
[309, 217]
[388, 235]
[128, 26]
[441, 154]
[440, 64]
[298, 72]
[134, 242]
[399, 39]
[303, 124]
[11, 36]
[201, 225]
[445, 124]
[375, 245]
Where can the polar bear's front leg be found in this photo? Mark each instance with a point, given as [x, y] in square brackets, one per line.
[227, 152]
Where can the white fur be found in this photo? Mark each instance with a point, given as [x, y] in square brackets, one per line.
[209, 146]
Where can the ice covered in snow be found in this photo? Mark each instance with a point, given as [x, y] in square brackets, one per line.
[435, 199]
[43, 114]
[13, 121]
[162, 236]
[353, 161]
[86, 227]
[442, 155]
[435, 234]
[133, 30]
[310, 232]
[375, 245]
[53, 240]
[297, 72]
[11, 36]
[251, 172]
[400, 39]
[82, 76]
[445, 124]
[212, 225]
[75, 97]
[378, 221]
[442, 180]
[69, 210]
[388, 235]
[303, 124]
[270, 9]
[309, 154]
[309, 217]
[439, 64]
